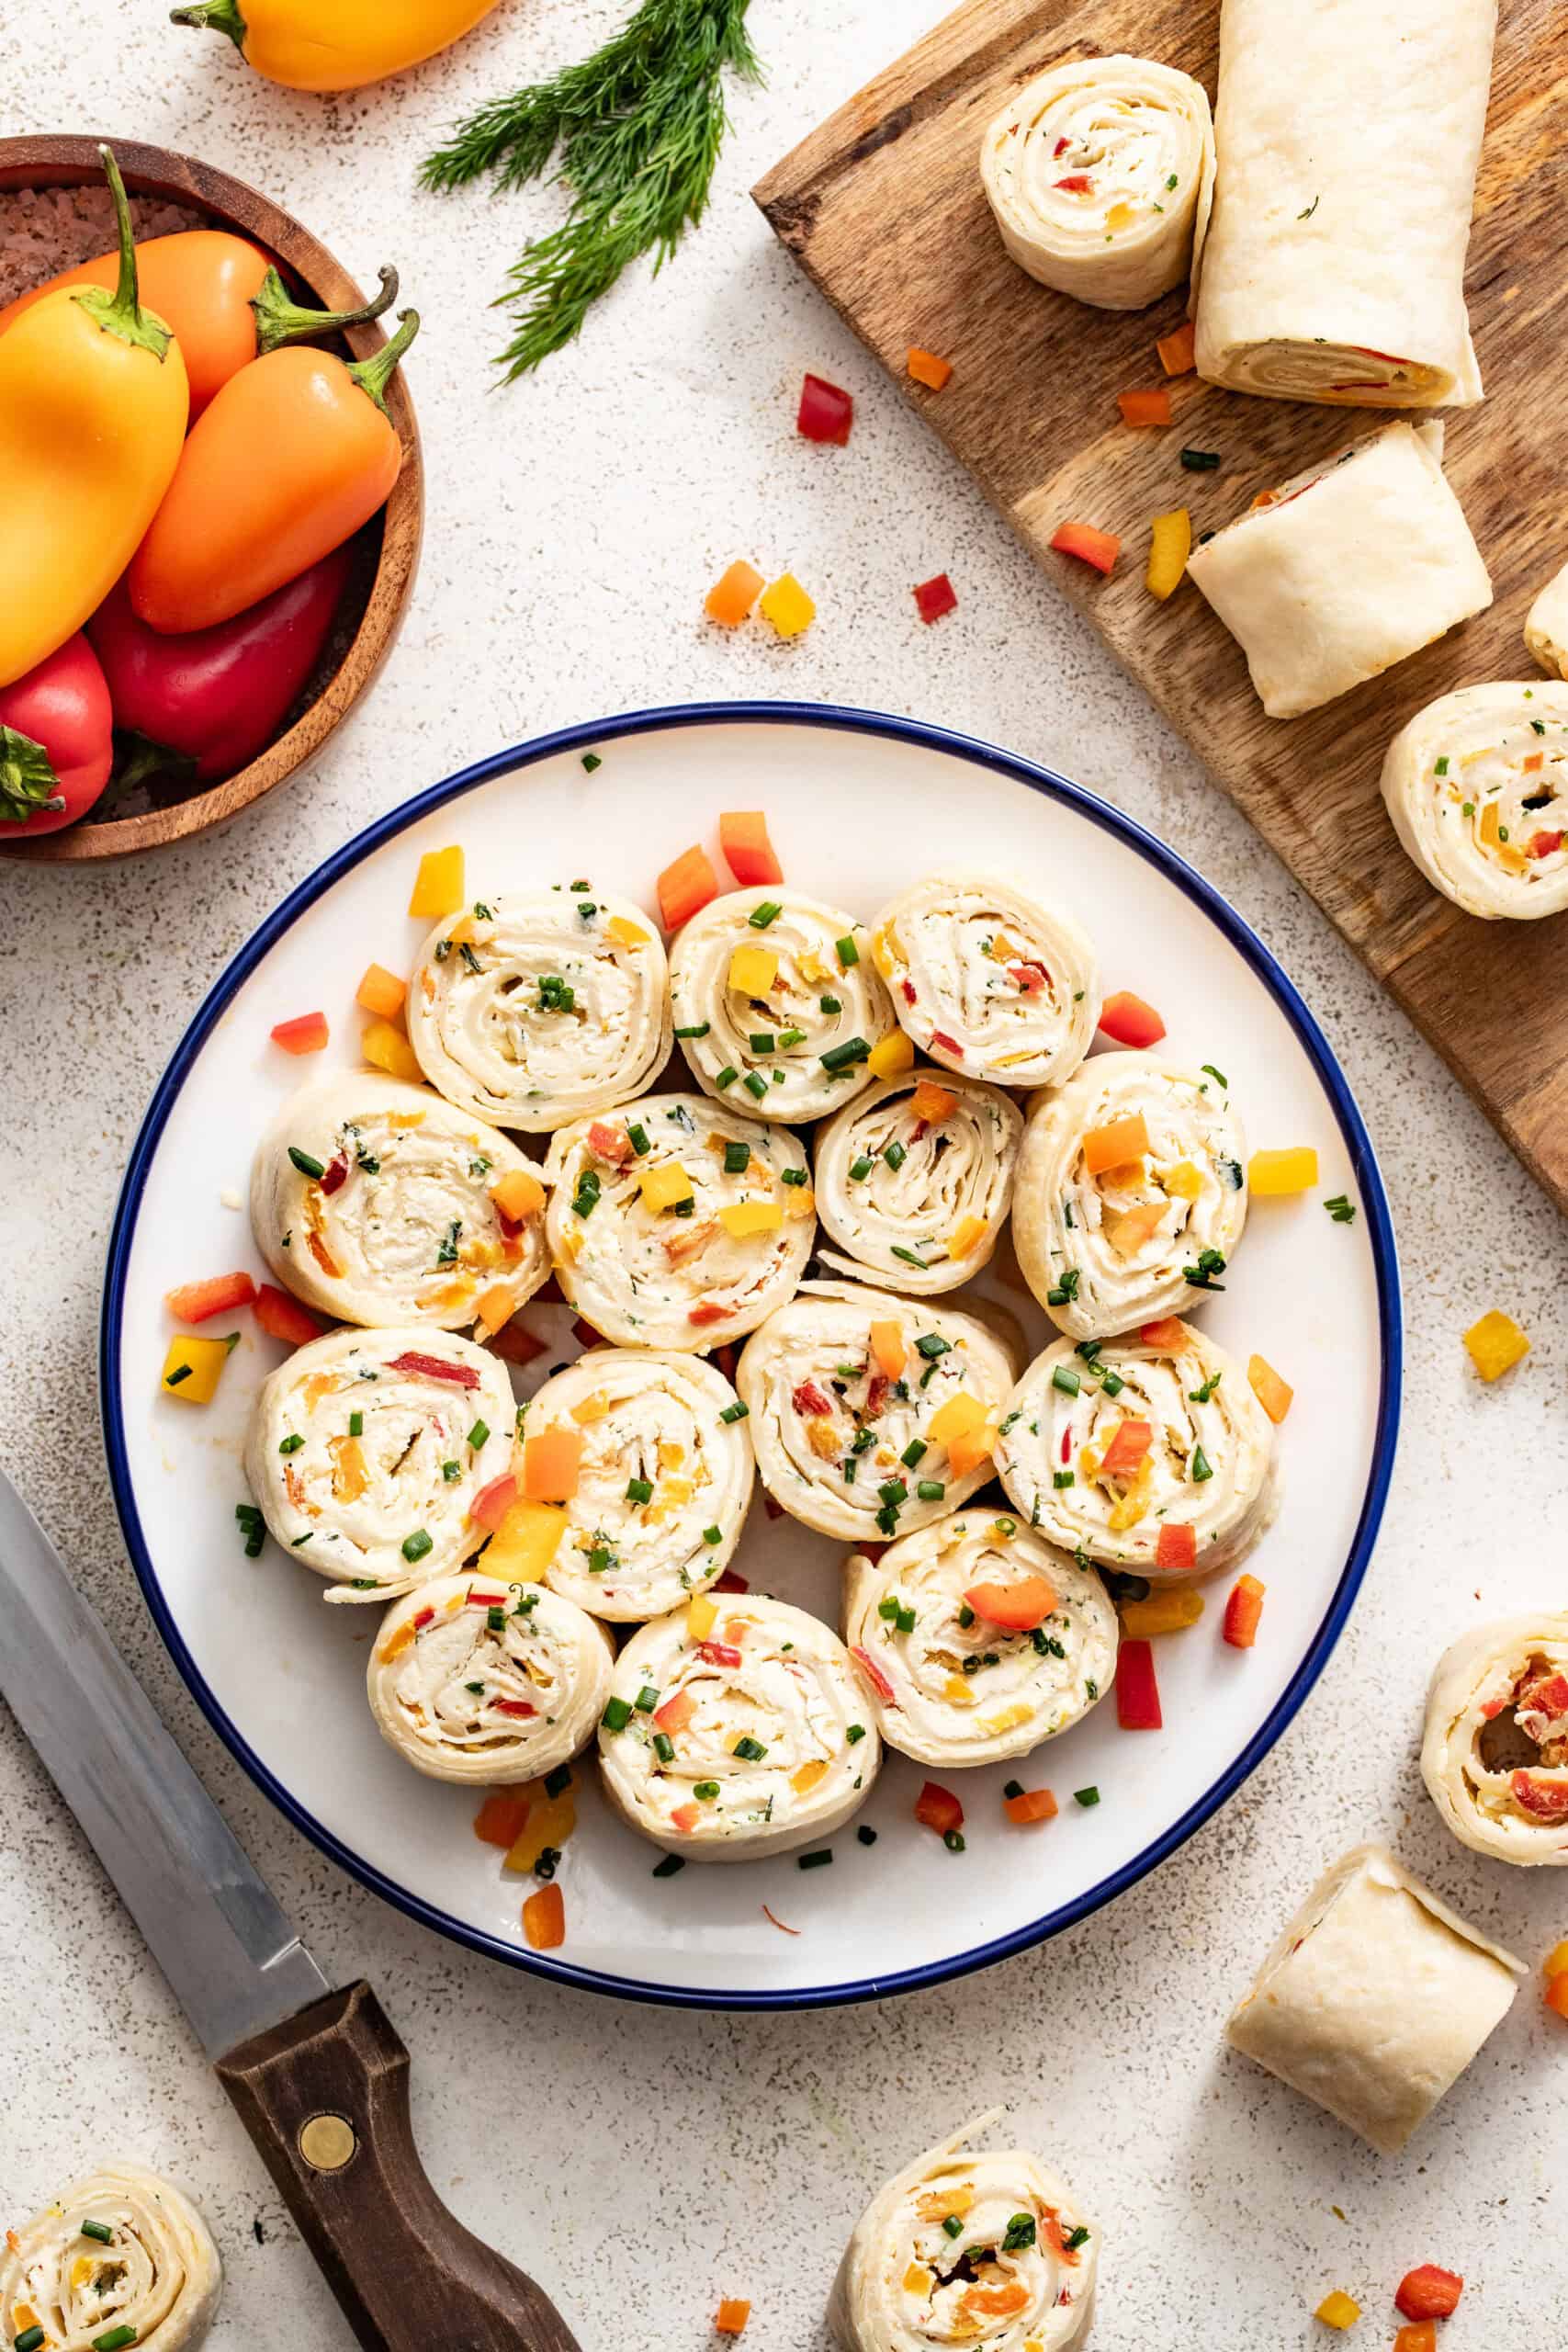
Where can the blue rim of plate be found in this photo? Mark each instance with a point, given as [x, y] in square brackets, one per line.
[1374, 1204]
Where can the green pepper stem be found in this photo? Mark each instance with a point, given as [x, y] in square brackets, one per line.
[138, 761]
[279, 321]
[121, 312]
[214, 17]
[371, 375]
[27, 780]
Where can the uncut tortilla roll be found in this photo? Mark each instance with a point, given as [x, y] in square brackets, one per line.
[375, 1203]
[538, 1006]
[1130, 1194]
[1546, 627]
[540, 1664]
[1375, 1998]
[777, 1011]
[1099, 173]
[872, 1415]
[663, 1483]
[1477, 786]
[1495, 1757]
[368, 1450]
[914, 1181]
[975, 1640]
[1350, 566]
[146, 2271]
[987, 981]
[736, 1727]
[683, 1227]
[1333, 265]
[1152, 1455]
[967, 2248]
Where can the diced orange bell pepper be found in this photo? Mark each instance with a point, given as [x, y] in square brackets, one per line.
[1034, 1804]
[382, 992]
[969, 1449]
[927, 368]
[687, 884]
[731, 2316]
[1100, 550]
[1145, 407]
[1115, 1145]
[1016, 1608]
[938, 1809]
[217, 1295]
[1242, 1612]
[1135, 1227]
[282, 1317]
[1178, 1546]
[1123, 1458]
[493, 1308]
[676, 1713]
[1556, 1996]
[1177, 351]
[306, 1034]
[1429, 2293]
[888, 1346]
[517, 1194]
[1417, 2336]
[552, 1464]
[544, 1918]
[387, 1049]
[733, 594]
[503, 1816]
[1272, 1393]
[748, 851]
[1167, 1332]
[931, 1103]
[1128, 1021]
[438, 885]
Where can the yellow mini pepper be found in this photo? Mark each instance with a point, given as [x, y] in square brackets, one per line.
[335, 44]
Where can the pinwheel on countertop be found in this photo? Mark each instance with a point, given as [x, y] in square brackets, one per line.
[120, 2258]
[1495, 1755]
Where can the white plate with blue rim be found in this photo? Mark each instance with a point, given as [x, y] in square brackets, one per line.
[859, 805]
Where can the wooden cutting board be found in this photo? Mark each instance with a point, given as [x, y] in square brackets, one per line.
[882, 208]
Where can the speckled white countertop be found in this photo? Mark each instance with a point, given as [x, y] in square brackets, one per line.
[642, 2162]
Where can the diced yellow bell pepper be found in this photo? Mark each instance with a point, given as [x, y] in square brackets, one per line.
[740, 1219]
[788, 605]
[593, 1408]
[1511, 859]
[525, 1543]
[958, 1693]
[387, 1049]
[1272, 1173]
[664, 1185]
[814, 1770]
[1182, 1182]
[753, 970]
[1120, 216]
[1496, 1344]
[918, 2280]
[193, 1367]
[1170, 544]
[1170, 1610]
[702, 1616]
[628, 933]
[396, 1644]
[955, 1418]
[550, 1822]
[438, 885]
[1337, 2310]
[966, 1236]
[891, 1055]
[1008, 1719]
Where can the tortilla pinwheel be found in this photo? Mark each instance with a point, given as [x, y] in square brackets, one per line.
[368, 1449]
[682, 1226]
[872, 1415]
[737, 1726]
[120, 2257]
[966, 2248]
[1150, 1454]
[1477, 786]
[377, 1203]
[541, 1005]
[1546, 627]
[777, 1011]
[914, 1181]
[987, 981]
[1130, 1194]
[1099, 173]
[1495, 1757]
[475, 1681]
[975, 1640]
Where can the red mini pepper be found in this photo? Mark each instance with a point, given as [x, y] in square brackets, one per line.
[215, 697]
[56, 742]
[1137, 1692]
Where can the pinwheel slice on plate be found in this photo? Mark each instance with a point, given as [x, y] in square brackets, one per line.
[778, 1011]
[1150, 1454]
[680, 1226]
[1495, 1757]
[120, 2256]
[1099, 173]
[975, 1640]
[1477, 786]
[541, 1005]
[370, 1451]
[914, 1181]
[475, 1681]
[377, 1203]
[966, 2248]
[736, 1727]
[987, 981]
[1130, 1194]
[657, 1479]
[870, 1415]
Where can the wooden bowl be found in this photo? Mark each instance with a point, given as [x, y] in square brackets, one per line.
[387, 547]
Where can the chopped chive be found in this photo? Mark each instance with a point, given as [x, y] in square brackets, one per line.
[1086, 1797]
[181, 1372]
[767, 910]
[1021, 2232]
[671, 1867]
[910, 1256]
[895, 1156]
[114, 2339]
[929, 1490]
[749, 1750]
[707, 1789]
[29, 2340]
[1201, 1276]
[867, 1837]
[639, 1490]
[853, 1049]
[792, 1175]
[557, 1783]
[760, 1041]
[1013, 1789]
[849, 954]
[1200, 461]
[756, 1085]
[1062, 1479]
[912, 1452]
[291, 1444]
[954, 1840]
[590, 759]
[1066, 1290]
[694, 1029]
[647, 1699]
[737, 1159]
[930, 1344]
[356, 1425]
[736, 1412]
[478, 1434]
[637, 1135]
[1218, 1075]
[711, 1535]
[819, 1860]
[1064, 1378]
[304, 1162]
[475, 1687]
[828, 1004]
[791, 1037]
[99, 2229]
[953, 2226]
[664, 1748]
[1341, 1209]
[727, 1077]
[617, 1715]
[1111, 1383]
[1201, 1465]
[855, 1734]
[860, 1169]
[1074, 2238]
[495, 1618]
[416, 1546]
[451, 1472]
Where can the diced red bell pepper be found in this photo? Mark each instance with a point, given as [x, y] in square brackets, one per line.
[502, 1817]
[1429, 2293]
[1031, 977]
[874, 1675]
[808, 1400]
[1100, 550]
[519, 1707]
[1016, 1608]
[1137, 1692]
[306, 1034]
[825, 411]
[938, 1809]
[1543, 1799]
[492, 1503]
[1123, 1458]
[458, 1376]
[687, 884]
[676, 1713]
[514, 1343]
[709, 1310]
[718, 1653]
[1126, 1020]
[686, 1818]
[334, 1176]
[218, 1294]
[1076, 184]
[1244, 1611]
[1543, 843]
[421, 1618]
[610, 1144]
[748, 851]
[282, 1317]
[1178, 1546]
[936, 596]
[56, 742]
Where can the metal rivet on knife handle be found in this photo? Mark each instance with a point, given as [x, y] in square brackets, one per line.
[326, 2143]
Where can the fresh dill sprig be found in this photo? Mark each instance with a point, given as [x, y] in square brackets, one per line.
[639, 126]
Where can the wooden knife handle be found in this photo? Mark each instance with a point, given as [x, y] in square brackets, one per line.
[326, 2098]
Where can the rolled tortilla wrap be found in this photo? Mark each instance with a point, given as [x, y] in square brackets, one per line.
[541, 1005]
[736, 1727]
[368, 1450]
[399, 1224]
[859, 1400]
[1477, 786]
[1350, 566]
[157, 2273]
[1098, 173]
[987, 981]
[1105, 1248]
[776, 1008]
[948, 1682]
[1546, 627]
[1015, 2274]
[1198, 1458]
[1333, 265]
[541, 1665]
[654, 1420]
[681, 1228]
[1375, 1998]
[1495, 1757]
[917, 1202]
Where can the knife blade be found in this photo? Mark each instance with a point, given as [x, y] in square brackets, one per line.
[319, 2078]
